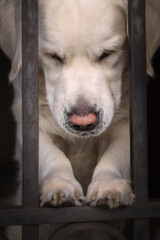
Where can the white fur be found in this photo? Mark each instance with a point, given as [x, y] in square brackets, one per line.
[79, 32]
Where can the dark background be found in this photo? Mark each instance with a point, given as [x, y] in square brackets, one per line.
[7, 129]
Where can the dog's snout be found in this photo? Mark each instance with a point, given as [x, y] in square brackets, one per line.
[83, 116]
[85, 122]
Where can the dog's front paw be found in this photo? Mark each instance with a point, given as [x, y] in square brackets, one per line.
[61, 191]
[109, 192]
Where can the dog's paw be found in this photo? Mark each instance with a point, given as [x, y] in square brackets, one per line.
[61, 191]
[112, 193]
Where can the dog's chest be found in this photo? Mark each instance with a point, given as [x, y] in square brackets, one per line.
[83, 157]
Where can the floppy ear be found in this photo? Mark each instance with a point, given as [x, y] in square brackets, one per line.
[16, 36]
[150, 70]
[123, 4]
[16, 65]
[149, 67]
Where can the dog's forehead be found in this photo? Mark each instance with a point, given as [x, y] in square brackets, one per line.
[81, 21]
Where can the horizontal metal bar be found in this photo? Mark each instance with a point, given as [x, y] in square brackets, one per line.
[27, 216]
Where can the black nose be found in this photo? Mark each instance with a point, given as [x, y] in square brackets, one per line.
[88, 127]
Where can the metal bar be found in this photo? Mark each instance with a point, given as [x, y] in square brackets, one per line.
[30, 104]
[30, 232]
[27, 216]
[30, 190]
[138, 110]
[138, 100]
[141, 230]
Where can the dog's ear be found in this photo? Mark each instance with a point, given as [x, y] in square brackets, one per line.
[150, 70]
[16, 65]
[16, 47]
[124, 5]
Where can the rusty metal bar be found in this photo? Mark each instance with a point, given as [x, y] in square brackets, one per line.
[30, 104]
[30, 193]
[138, 110]
[26, 216]
[138, 100]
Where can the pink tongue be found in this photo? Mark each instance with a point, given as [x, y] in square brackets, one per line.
[90, 118]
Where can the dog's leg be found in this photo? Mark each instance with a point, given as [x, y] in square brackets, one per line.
[111, 179]
[58, 184]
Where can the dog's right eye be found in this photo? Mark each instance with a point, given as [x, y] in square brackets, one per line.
[105, 55]
[56, 57]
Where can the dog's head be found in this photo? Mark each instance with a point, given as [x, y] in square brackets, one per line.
[83, 52]
[83, 49]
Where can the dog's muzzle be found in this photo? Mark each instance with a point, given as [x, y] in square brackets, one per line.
[85, 122]
[82, 119]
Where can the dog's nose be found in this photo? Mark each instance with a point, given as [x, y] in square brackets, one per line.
[83, 116]
[83, 122]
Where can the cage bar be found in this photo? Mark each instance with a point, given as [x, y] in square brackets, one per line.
[26, 216]
[30, 189]
[138, 99]
[30, 104]
[138, 110]
[141, 229]
[30, 232]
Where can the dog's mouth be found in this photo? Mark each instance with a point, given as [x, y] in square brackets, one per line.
[85, 124]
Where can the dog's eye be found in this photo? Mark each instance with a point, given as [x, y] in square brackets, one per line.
[56, 57]
[105, 55]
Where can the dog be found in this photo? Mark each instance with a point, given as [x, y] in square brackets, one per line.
[84, 140]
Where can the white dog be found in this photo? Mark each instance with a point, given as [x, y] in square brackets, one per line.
[84, 115]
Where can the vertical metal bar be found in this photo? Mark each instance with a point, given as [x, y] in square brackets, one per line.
[30, 232]
[138, 99]
[141, 230]
[30, 192]
[138, 110]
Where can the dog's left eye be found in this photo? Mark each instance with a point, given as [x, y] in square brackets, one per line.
[56, 57]
[104, 55]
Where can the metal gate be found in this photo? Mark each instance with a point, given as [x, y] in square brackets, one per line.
[30, 215]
